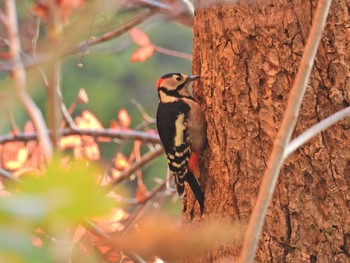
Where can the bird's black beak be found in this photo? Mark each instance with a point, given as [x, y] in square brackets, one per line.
[192, 78]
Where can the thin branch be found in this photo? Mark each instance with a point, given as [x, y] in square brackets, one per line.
[162, 187]
[315, 129]
[180, 10]
[146, 158]
[111, 241]
[29, 62]
[172, 53]
[54, 96]
[257, 219]
[7, 175]
[20, 80]
[142, 110]
[143, 205]
[109, 133]
[112, 34]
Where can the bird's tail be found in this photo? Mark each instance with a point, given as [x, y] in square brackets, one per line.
[196, 189]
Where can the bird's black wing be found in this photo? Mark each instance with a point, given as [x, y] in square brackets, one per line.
[178, 154]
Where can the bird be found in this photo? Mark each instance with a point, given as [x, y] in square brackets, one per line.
[181, 127]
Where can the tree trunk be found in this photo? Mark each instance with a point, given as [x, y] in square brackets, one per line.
[247, 55]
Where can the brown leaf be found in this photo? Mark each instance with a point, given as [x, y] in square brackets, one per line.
[142, 53]
[140, 37]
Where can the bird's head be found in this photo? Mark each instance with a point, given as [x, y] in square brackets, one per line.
[174, 85]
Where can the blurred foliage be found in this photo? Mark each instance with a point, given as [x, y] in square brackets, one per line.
[51, 202]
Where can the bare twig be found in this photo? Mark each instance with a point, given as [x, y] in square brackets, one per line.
[82, 47]
[109, 133]
[315, 129]
[284, 134]
[111, 241]
[172, 53]
[13, 125]
[7, 175]
[180, 10]
[54, 96]
[144, 160]
[20, 79]
[112, 34]
[142, 110]
[162, 187]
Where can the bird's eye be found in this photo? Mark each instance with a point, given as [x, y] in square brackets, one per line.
[179, 78]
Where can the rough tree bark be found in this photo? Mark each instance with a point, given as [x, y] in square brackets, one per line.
[248, 53]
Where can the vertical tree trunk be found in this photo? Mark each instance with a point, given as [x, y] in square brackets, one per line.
[247, 55]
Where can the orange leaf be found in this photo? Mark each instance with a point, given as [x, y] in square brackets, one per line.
[69, 142]
[121, 162]
[142, 53]
[19, 159]
[78, 153]
[111, 222]
[41, 11]
[82, 97]
[67, 7]
[88, 121]
[22, 155]
[124, 118]
[39, 231]
[36, 241]
[92, 152]
[113, 124]
[104, 249]
[29, 127]
[141, 193]
[78, 234]
[140, 37]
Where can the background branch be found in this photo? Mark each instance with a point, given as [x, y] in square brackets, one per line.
[144, 160]
[112, 34]
[257, 219]
[108, 133]
[54, 96]
[314, 130]
[7, 175]
[111, 241]
[20, 80]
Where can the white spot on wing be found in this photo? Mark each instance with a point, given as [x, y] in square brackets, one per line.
[179, 127]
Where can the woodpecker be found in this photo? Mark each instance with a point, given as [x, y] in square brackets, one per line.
[182, 130]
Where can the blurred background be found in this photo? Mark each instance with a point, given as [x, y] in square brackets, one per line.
[105, 71]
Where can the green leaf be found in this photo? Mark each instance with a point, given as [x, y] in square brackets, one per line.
[60, 194]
